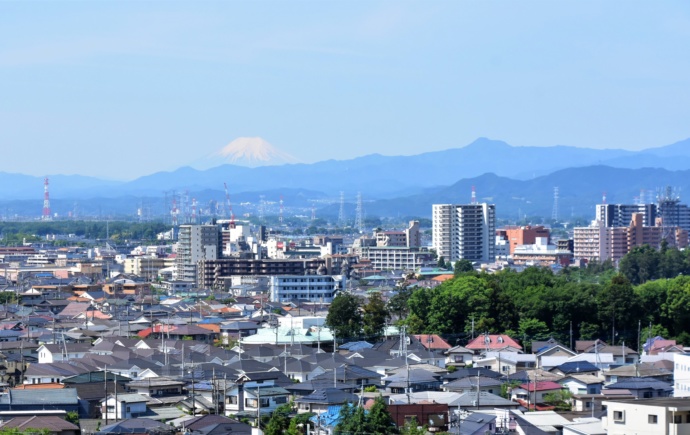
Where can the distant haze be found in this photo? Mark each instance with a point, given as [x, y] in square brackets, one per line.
[117, 90]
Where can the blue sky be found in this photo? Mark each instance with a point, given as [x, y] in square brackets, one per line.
[122, 89]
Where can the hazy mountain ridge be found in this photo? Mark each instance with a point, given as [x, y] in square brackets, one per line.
[409, 181]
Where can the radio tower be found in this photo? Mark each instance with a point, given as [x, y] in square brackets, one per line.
[359, 224]
[341, 213]
[474, 196]
[46, 200]
[193, 222]
[174, 212]
[280, 216]
[554, 212]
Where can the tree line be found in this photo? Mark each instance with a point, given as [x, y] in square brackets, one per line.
[648, 295]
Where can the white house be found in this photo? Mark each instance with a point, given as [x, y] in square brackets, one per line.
[125, 406]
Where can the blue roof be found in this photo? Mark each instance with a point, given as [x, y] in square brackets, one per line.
[328, 418]
[575, 367]
[354, 346]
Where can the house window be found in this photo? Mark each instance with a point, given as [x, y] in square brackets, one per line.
[252, 403]
[647, 395]
[280, 400]
[265, 403]
[129, 409]
[652, 419]
[588, 405]
[619, 416]
[677, 419]
[232, 400]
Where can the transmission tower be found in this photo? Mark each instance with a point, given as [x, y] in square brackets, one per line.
[473, 199]
[341, 213]
[261, 207]
[46, 200]
[554, 212]
[359, 220]
[280, 216]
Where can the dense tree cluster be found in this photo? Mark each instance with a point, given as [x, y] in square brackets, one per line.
[14, 233]
[649, 296]
[536, 303]
[354, 420]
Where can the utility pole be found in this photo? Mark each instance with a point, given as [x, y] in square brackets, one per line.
[105, 387]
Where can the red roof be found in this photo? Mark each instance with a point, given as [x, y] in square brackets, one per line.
[541, 386]
[492, 342]
[432, 341]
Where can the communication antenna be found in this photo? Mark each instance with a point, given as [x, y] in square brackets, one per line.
[193, 221]
[473, 199]
[603, 198]
[554, 212]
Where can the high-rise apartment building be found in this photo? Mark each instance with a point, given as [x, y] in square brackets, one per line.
[195, 243]
[620, 215]
[464, 231]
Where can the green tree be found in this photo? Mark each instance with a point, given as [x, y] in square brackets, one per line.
[618, 305]
[352, 421]
[412, 428]
[379, 420]
[462, 266]
[73, 417]
[375, 315]
[532, 329]
[559, 399]
[344, 317]
[280, 420]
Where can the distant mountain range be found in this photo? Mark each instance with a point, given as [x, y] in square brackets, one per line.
[515, 178]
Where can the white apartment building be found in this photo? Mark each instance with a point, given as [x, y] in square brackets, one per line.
[195, 243]
[464, 231]
[315, 288]
[658, 416]
[681, 375]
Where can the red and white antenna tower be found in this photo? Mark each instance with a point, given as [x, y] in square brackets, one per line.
[603, 198]
[174, 212]
[228, 205]
[46, 200]
[474, 196]
[193, 211]
[280, 217]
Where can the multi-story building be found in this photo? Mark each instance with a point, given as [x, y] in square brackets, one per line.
[211, 273]
[409, 238]
[620, 215]
[144, 266]
[601, 243]
[395, 257]
[525, 235]
[195, 243]
[314, 288]
[464, 231]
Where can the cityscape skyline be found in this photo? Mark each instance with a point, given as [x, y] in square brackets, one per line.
[120, 90]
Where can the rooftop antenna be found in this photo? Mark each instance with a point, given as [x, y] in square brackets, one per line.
[174, 212]
[473, 198]
[554, 211]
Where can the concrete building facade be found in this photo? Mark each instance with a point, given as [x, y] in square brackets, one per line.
[195, 243]
[314, 288]
[464, 231]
